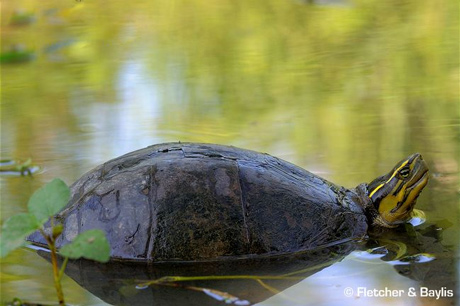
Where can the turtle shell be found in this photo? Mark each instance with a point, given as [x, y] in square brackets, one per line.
[184, 201]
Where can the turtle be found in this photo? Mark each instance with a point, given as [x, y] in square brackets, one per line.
[207, 202]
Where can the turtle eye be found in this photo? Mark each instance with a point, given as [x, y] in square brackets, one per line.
[404, 172]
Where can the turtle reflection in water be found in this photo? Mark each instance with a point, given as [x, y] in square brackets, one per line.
[241, 281]
[201, 202]
[257, 278]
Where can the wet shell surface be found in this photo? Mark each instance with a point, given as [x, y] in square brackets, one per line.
[185, 201]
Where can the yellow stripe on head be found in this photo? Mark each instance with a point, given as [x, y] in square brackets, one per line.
[375, 190]
[394, 194]
[391, 177]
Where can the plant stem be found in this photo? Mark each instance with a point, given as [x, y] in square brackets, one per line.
[64, 264]
[56, 273]
[170, 279]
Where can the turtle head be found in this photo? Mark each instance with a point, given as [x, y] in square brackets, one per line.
[394, 195]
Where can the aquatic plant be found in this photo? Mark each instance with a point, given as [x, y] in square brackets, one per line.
[42, 206]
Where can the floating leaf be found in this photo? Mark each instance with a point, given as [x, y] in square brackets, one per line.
[15, 230]
[91, 244]
[49, 200]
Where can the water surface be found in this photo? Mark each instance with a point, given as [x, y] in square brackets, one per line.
[342, 88]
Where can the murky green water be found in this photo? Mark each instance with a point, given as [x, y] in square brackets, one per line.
[342, 88]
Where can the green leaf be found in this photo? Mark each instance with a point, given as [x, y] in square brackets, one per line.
[15, 230]
[91, 244]
[49, 200]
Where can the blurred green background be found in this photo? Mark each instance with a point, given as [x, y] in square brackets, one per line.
[342, 88]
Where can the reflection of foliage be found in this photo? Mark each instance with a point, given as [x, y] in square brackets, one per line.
[16, 55]
[328, 71]
[309, 50]
[239, 66]
[22, 18]
[311, 75]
